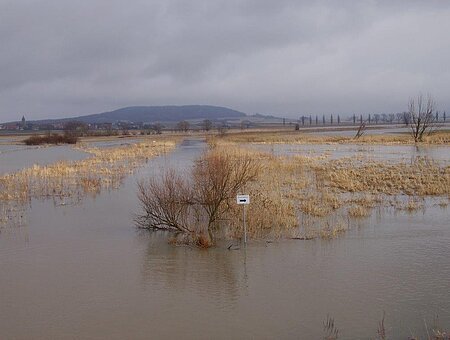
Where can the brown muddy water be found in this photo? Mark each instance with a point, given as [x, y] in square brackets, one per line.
[86, 272]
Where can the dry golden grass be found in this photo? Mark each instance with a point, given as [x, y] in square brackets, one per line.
[302, 137]
[308, 197]
[330, 232]
[421, 178]
[359, 211]
[411, 204]
[106, 168]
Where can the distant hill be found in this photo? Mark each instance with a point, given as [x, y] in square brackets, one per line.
[158, 114]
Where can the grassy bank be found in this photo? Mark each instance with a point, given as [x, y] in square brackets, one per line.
[301, 137]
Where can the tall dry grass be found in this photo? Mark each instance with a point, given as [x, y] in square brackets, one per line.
[71, 180]
[420, 178]
[296, 137]
[308, 197]
[271, 212]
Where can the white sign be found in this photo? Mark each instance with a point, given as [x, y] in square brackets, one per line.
[243, 199]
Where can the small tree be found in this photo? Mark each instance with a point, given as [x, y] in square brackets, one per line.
[421, 116]
[165, 203]
[194, 206]
[218, 177]
[222, 129]
[157, 128]
[183, 126]
[75, 128]
[207, 125]
[377, 117]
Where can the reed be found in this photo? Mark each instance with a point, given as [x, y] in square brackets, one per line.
[420, 178]
[359, 211]
[71, 180]
[296, 137]
[306, 197]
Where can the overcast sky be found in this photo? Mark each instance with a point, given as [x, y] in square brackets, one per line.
[286, 57]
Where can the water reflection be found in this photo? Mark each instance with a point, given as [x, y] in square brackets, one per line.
[217, 274]
[17, 157]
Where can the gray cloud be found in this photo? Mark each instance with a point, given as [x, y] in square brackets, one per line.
[287, 57]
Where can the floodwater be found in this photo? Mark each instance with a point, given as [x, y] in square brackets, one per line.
[113, 143]
[86, 272]
[16, 157]
[393, 153]
[372, 130]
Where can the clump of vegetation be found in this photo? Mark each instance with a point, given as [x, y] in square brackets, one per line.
[330, 329]
[306, 197]
[435, 332]
[194, 206]
[53, 138]
[70, 181]
[422, 177]
[359, 211]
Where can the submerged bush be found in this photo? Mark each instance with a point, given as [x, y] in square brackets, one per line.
[194, 205]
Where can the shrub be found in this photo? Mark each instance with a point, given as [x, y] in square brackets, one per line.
[196, 204]
[51, 139]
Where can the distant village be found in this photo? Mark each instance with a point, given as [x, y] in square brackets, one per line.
[23, 125]
[206, 124]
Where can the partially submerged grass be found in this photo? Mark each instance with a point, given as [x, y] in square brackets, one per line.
[359, 211]
[70, 180]
[435, 332]
[306, 197]
[422, 177]
[304, 137]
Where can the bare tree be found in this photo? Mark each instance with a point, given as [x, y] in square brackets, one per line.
[183, 126]
[391, 118]
[405, 118]
[222, 129]
[361, 129]
[377, 117]
[157, 128]
[165, 203]
[207, 125]
[194, 205]
[421, 116]
[75, 128]
[218, 177]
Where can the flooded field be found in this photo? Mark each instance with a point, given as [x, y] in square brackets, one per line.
[85, 271]
[16, 157]
[392, 153]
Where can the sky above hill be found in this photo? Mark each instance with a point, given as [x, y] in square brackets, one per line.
[286, 57]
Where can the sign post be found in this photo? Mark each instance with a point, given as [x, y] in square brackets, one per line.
[243, 200]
